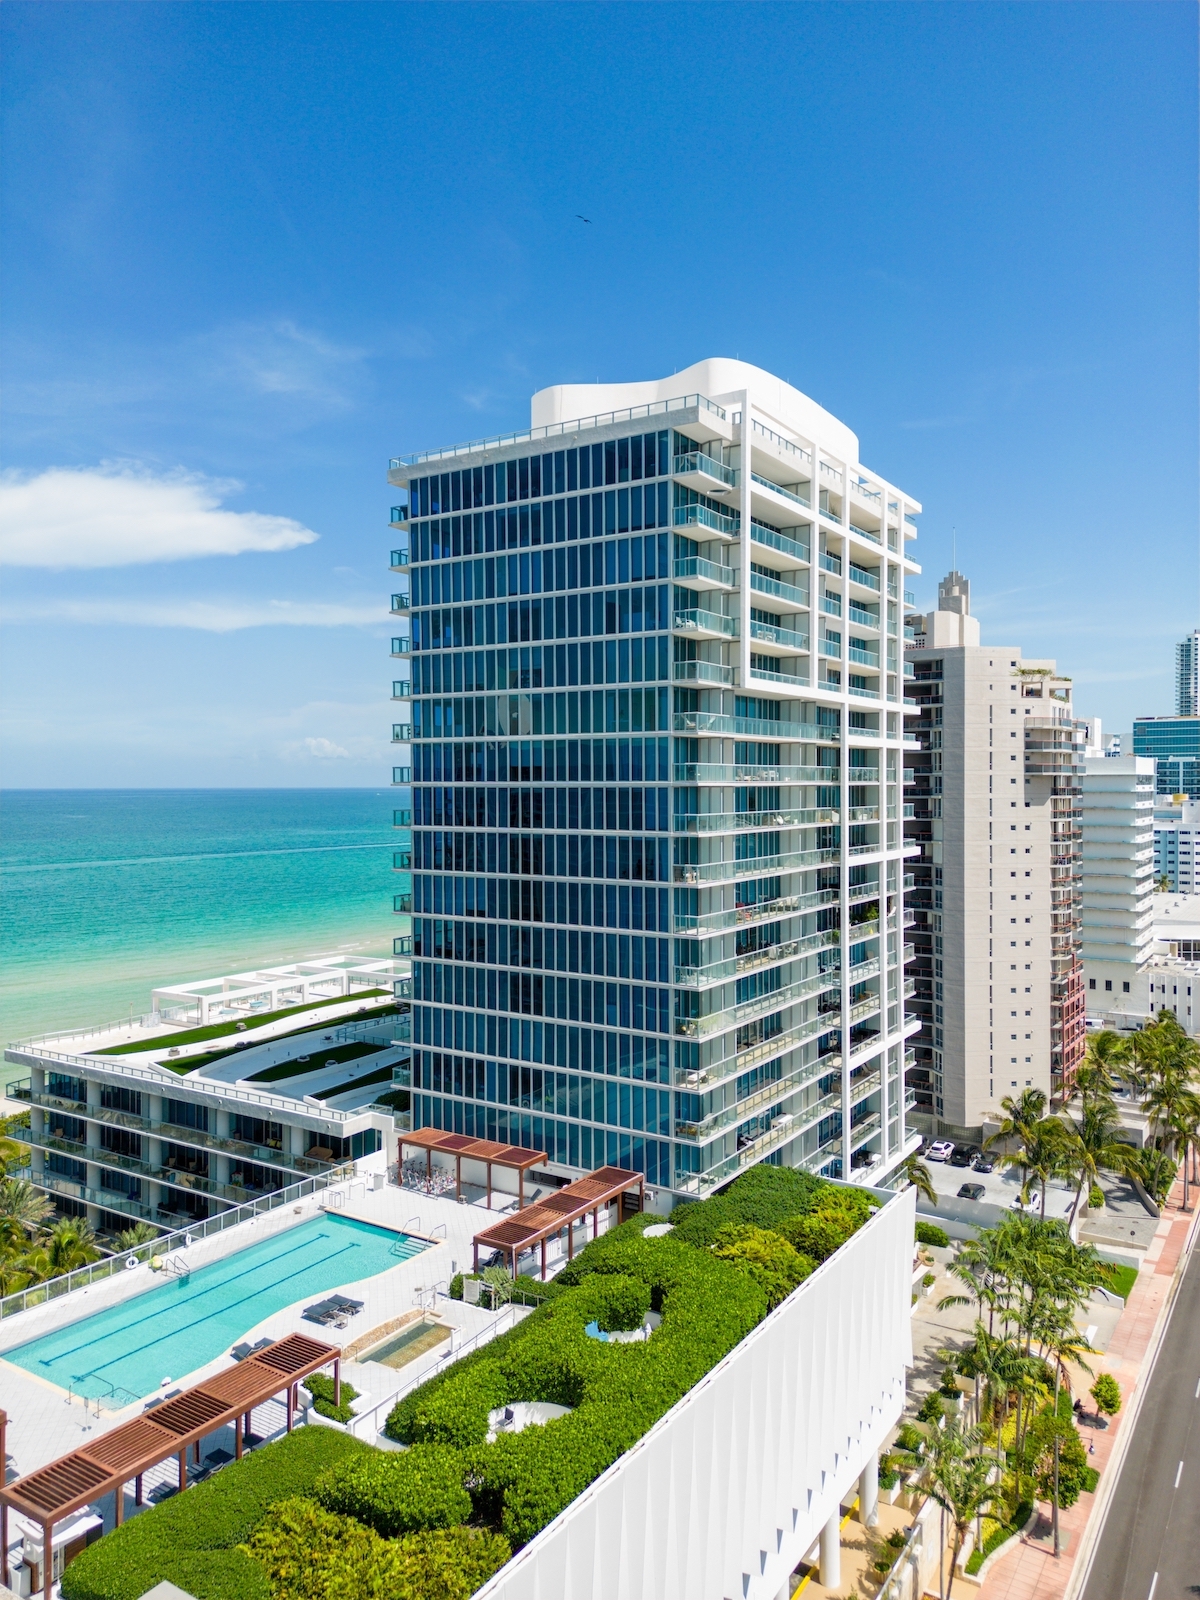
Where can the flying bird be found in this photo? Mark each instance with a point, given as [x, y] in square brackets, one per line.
[583, 218]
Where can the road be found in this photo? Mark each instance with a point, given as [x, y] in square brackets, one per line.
[1150, 1543]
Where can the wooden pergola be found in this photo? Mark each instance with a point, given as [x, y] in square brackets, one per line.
[168, 1429]
[461, 1146]
[562, 1209]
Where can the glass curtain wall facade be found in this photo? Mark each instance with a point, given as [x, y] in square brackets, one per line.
[648, 861]
[1174, 745]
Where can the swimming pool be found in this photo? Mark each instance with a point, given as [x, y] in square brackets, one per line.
[122, 1354]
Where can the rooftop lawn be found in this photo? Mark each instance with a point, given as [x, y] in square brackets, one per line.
[221, 1030]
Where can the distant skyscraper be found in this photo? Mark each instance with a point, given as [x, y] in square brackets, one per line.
[1174, 745]
[1187, 675]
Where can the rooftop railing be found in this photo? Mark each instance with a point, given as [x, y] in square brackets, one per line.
[558, 430]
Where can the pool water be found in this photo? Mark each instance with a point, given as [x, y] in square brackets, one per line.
[124, 1353]
[407, 1346]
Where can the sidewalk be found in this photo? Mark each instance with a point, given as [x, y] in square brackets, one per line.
[1029, 1571]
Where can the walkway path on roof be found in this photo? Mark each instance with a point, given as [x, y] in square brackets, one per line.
[42, 1426]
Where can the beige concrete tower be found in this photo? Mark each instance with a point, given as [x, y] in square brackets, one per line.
[993, 802]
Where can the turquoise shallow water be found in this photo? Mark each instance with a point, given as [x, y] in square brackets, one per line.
[124, 1353]
[106, 893]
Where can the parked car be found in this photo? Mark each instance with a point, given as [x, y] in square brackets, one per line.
[965, 1155]
[972, 1191]
[1030, 1207]
[941, 1150]
[986, 1162]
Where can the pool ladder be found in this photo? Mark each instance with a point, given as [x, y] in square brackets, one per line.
[175, 1267]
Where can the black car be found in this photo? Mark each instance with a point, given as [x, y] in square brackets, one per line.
[986, 1162]
[965, 1155]
[972, 1191]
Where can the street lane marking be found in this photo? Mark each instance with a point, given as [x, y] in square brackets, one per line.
[1179, 1474]
[1153, 1586]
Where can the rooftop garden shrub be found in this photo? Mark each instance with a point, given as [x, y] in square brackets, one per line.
[321, 1389]
[709, 1300]
[767, 1256]
[394, 1494]
[190, 1539]
[764, 1196]
[306, 1552]
[817, 1235]
[929, 1233]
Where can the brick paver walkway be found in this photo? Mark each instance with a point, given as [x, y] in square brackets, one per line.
[1029, 1570]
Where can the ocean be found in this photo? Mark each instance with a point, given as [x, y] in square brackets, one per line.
[105, 894]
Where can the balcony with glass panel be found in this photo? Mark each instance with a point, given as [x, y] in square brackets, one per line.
[778, 640]
[704, 473]
[698, 573]
[703, 624]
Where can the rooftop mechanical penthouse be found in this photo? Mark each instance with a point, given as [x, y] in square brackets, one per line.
[649, 761]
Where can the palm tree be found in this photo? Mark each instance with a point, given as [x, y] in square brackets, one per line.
[918, 1175]
[1024, 1111]
[1091, 1145]
[70, 1244]
[959, 1479]
[20, 1202]
[1040, 1155]
[141, 1233]
[1103, 1059]
[1061, 1341]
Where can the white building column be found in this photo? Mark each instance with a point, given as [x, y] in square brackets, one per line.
[831, 1551]
[868, 1492]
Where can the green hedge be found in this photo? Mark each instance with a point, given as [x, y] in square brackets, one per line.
[394, 1494]
[309, 1553]
[764, 1196]
[191, 1538]
[930, 1233]
[520, 1482]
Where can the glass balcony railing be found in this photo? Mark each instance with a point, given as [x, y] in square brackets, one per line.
[713, 722]
[863, 617]
[745, 916]
[737, 821]
[700, 621]
[782, 591]
[785, 637]
[831, 605]
[798, 549]
[700, 461]
[697, 567]
[863, 656]
[722, 871]
[400, 560]
[703, 517]
[703, 672]
[869, 580]
[777, 488]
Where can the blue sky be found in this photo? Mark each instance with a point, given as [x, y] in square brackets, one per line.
[252, 250]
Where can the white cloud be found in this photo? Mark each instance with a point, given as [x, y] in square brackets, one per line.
[122, 516]
[326, 750]
[211, 616]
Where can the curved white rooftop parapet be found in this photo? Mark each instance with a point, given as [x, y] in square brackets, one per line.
[717, 378]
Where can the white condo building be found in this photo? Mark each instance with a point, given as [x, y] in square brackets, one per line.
[1177, 847]
[1117, 878]
[649, 784]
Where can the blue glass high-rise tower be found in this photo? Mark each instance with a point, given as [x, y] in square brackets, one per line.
[648, 793]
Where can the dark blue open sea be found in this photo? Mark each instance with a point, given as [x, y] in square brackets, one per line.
[106, 893]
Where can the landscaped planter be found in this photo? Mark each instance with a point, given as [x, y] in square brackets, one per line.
[725, 1494]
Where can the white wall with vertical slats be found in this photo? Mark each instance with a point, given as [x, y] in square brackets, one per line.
[726, 1493]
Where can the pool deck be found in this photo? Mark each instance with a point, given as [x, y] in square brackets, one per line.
[43, 1423]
